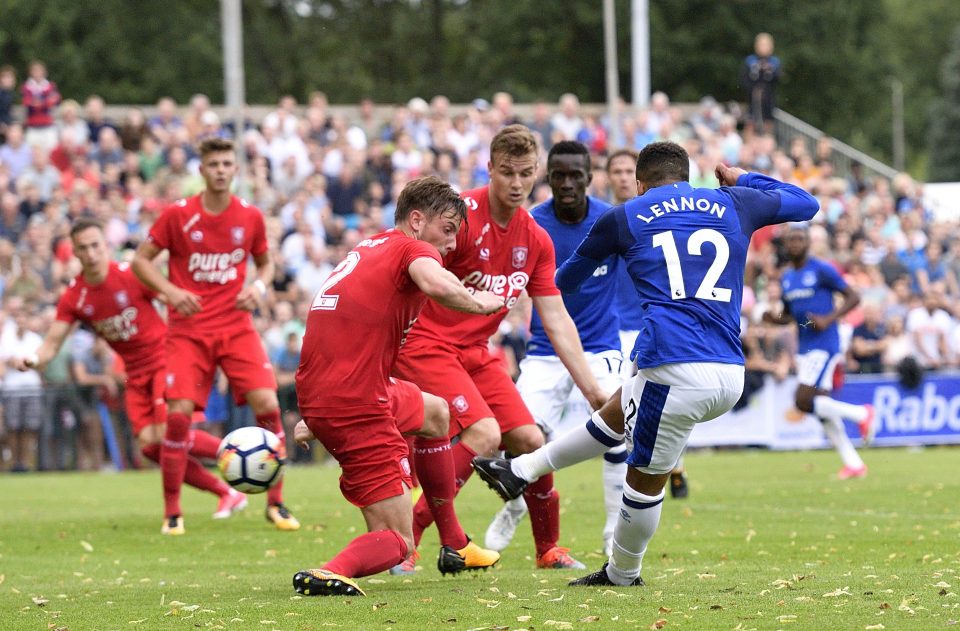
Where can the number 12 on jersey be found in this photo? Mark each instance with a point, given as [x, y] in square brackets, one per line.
[708, 289]
[328, 302]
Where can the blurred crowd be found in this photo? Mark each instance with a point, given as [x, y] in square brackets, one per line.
[326, 180]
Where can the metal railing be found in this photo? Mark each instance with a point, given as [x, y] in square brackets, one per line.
[787, 127]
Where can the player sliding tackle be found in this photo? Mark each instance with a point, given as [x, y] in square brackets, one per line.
[685, 251]
[357, 323]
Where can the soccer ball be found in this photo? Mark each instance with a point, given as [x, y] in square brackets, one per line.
[250, 459]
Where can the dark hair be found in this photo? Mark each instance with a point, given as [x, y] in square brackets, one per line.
[431, 196]
[569, 148]
[213, 145]
[910, 373]
[661, 163]
[619, 153]
[85, 223]
[513, 140]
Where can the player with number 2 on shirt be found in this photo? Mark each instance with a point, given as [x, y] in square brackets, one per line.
[685, 249]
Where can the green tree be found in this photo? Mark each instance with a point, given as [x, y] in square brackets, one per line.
[945, 119]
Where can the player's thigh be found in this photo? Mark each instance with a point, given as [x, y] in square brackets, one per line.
[372, 455]
[191, 365]
[816, 368]
[244, 361]
[438, 370]
[545, 386]
[144, 398]
[661, 407]
[497, 389]
[606, 367]
[407, 405]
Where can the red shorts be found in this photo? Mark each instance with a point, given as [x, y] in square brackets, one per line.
[192, 361]
[145, 399]
[373, 455]
[471, 380]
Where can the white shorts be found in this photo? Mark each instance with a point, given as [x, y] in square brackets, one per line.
[627, 340]
[661, 405]
[551, 395]
[816, 368]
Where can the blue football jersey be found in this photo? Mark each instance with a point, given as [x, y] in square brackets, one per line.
[592, 307]
[685, 251]
[628, 306]
[809, 290]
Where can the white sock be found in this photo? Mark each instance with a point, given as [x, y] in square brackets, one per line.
[517, 505]
[679, 464]
[614, 472]
[579, 444]
[826, 407]
[833, 427]
[636, 524]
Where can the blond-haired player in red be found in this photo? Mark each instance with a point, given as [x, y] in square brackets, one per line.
[500, 248]
[209, 238]
[109, 298]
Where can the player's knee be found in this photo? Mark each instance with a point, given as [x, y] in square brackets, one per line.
[483, 437]
[408, 540]
[803, 398]
[436, 417]
[524, 439]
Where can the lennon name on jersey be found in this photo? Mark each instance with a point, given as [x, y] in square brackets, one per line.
[683, 204]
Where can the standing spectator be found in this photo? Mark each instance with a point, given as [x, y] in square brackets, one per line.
[567, 121]
[40, 96]
[758, 77]
[96, 117]
[869, 340]
[22, 391]
[15, 153]
[8, 86]
[928, 326]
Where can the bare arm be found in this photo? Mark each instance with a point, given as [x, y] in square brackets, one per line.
[783, 318]
[562, 332]
[183, 301]
[851, 298]
[52, 342]
[443, 287]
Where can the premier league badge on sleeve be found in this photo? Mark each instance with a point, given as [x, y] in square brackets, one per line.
[519, 257]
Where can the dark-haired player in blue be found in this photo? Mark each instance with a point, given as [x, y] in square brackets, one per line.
[545, 385]
[685, 250]
[809, 285]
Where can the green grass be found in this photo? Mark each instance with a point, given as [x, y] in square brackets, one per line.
[766, 541]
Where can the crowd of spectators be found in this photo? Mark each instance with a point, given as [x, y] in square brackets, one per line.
[325, 180]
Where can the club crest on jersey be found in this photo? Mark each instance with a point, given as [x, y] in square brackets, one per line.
[196, 236]
[122, 298]
[519, 258]
[471, 203]
[809, 278]
[405, 465]
[484, 254]
[87, 310]
[460, 404]
[237, 234]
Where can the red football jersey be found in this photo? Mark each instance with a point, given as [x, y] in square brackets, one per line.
[208, 257]
[356, 326]
[120, 311]
[502, 260]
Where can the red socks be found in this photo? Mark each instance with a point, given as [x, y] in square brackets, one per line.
[544, 504]
[368, 554]
[422, 517]
[434, 459]
[203, 444]
[173, 461]
[271, 421]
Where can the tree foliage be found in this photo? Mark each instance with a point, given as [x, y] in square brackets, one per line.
[945, 121]
[838, 56]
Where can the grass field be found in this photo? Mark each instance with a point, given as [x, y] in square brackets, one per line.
[766, 541]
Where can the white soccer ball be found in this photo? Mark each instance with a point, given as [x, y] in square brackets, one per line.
[250, 459]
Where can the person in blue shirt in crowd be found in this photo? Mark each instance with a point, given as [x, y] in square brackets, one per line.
[809, 285]
[685, 250]
[547, 388]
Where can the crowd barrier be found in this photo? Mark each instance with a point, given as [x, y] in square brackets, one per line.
[927, 415]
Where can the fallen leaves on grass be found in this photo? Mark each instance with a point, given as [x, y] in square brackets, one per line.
[39, 602]
[874, 627]
[589, 619]
[840, 591]
[658, 624]
[86, 545]
[558, 624]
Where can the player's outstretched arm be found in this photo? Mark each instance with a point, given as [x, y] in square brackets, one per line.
[183, 301]
[52, 342]
[442, 286]
[768, 200]
[562, 332]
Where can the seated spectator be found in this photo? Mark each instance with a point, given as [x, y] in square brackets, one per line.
[70, 120]
[94, 114]
[12, 222]
[41, 174]
[165, 122]
[108, 149]
[133, 129]
[869, 341]
[315, 270]
[8, 86]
